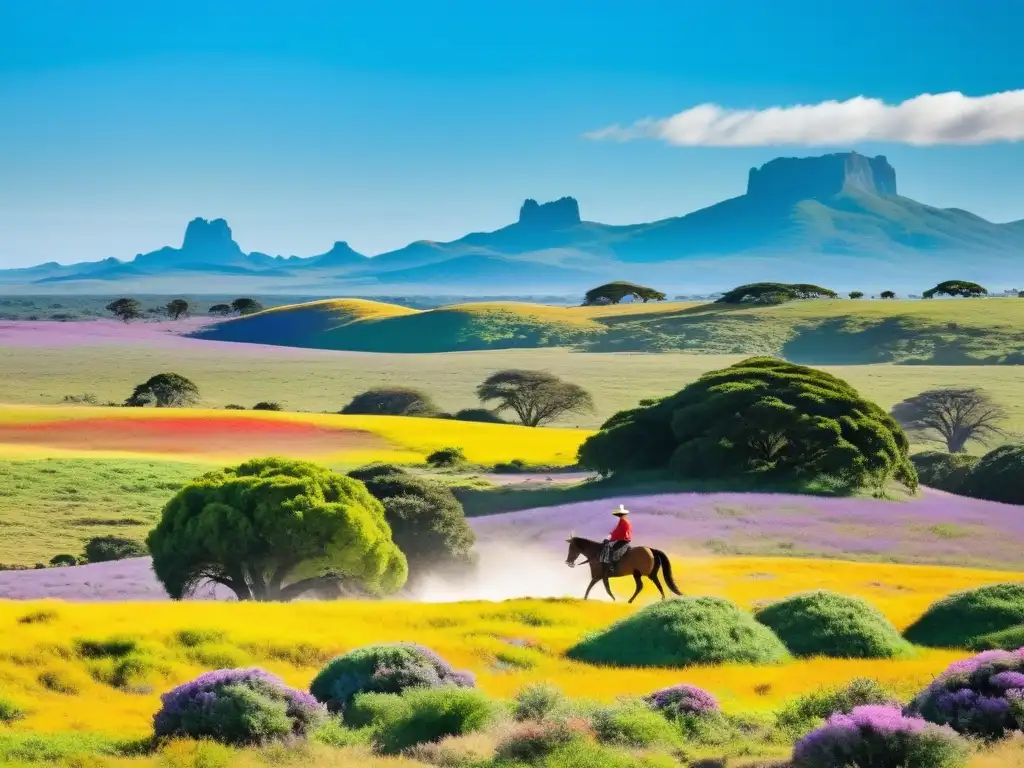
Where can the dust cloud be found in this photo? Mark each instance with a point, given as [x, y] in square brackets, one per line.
[506, 572]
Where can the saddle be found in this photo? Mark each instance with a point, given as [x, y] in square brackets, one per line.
[611, 555]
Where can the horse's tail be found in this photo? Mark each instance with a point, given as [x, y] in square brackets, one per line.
[662, 559]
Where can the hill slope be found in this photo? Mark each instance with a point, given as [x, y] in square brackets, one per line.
[938, 332]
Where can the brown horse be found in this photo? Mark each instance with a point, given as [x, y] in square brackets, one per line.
[638, 562]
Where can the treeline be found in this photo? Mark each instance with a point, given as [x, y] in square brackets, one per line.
[128, 309]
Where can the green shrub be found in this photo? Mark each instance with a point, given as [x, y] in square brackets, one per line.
[62, 561]
[482, 415]
[60, 681]
[634, 725]
[531, 742]
[383, 669]
[10, 712]
[829, 624]
[369, 709]
[102, 549]
[679, 633]
[192, 638]
[109, 647]
[538, 701]
[943, 471]
[1005, 640]
[445, 458]
[805, 713]
[431, 714]
[375, 470]
[998, 476]
[234, 407]
[265, 405]
[392, 401]
[961, 619]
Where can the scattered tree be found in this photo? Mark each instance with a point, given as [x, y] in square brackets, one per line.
[267, 406]
[856, 295]
[536, 397]
[446, 458]
[177, 309]
[392, 401]
[762, 418]
[962, 288]
[887, 295]
[103, 549]
[957, 416]
[62, 561]
[613, 293]
[222, 310]
[775, 293]
[427, 521]
[234, 407]
[125, 310]
[165, 390]
[275, 529]
[246, 306]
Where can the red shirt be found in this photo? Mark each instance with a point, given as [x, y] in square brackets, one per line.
[623, 531]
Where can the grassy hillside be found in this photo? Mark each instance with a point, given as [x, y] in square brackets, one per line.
[954, 332]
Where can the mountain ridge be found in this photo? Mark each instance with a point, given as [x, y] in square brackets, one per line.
[825, 213]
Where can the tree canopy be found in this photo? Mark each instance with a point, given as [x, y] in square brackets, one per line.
[536, 397]
[427, 521]
[246, 306]
[856, 294]
[222, 310]
[177, 309]
[392, 401]
[762, 418]
[165, 390]
[775, 293]
[613, 293]
[888, 294]
[125, 310]
[962, 288]
[998, 475]
[275, 529]
[955, 415]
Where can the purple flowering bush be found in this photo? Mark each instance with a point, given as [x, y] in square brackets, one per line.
[981, 696]
[880, 737]
[680, 700]
[384, 669]
[237, 707]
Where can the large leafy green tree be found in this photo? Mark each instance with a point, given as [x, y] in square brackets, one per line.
[246, 306]
[427, 521]
[613, 293]
[963, 288]
[536, 397]
[275, 529]
[177, 309]
[764, 418]
[165, 390]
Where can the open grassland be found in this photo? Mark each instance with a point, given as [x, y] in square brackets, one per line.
[42, 366]
[943, 332]
[47, 667]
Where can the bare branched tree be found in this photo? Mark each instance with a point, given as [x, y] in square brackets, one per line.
[957, 416]
[536, 397]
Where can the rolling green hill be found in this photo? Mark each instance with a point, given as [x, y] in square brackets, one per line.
[937, 332]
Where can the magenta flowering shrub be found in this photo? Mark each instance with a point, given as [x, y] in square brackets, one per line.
[384, 669]
[680, 700]
[879, 737]
[980, 696]
[237, 707]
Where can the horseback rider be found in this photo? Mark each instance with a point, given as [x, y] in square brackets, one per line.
[617, 541]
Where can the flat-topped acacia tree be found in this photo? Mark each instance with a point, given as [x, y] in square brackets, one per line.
[775, 293]
[963, 288]
[273, 530]
[613, 293]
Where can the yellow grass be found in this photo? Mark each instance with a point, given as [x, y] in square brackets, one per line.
[406, 440]
[295, 640]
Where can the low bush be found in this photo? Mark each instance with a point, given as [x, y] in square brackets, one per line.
[679, 700]
[368, 709]
[427, 715]
[383, 669]
[234, 407]
[811, 710]
[237, 707]
[392, 401]
[982, 696]
[60, 681]
[375, 470]
[829, 624]
[9, 711]
[268, 405]
[538, 701]
[62, 561]
[482, 415]
[678, 633]
[634, 725]
[531, 742]
[961, 619]
[880, 737]
[1004, 640]
[944, 471]
[998, 476]
[102, 549]
[447, 458]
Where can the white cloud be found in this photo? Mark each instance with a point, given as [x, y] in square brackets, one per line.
[928, 119]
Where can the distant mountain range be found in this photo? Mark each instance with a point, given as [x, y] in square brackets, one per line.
[835, 219]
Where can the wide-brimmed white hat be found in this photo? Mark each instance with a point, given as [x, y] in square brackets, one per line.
[620, 511]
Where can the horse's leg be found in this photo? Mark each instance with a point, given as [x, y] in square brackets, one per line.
[590, 586]
[608, 587]
[657, 582]
[639, 585]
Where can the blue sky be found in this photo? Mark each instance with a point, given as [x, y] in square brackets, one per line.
[303, 123]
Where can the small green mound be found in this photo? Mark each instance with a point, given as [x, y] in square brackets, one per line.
[1005, 640]
[680, 633]
[943, 471]
[964, 618]
[829, 624]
